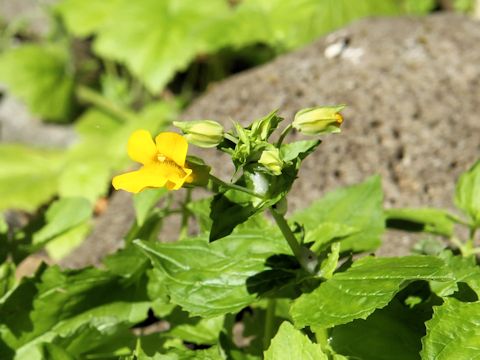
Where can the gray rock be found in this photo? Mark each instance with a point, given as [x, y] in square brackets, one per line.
[17, 125]
[412, 90]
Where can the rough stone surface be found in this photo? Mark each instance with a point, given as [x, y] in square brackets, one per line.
[17, 125]
[412, 90]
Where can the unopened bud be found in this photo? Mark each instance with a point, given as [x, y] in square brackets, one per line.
[270, 159]
[319, 120]
[202, 133]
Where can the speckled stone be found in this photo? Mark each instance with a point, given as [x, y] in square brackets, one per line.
[412, 90]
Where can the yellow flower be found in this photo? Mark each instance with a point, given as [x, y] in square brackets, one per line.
[163, 162]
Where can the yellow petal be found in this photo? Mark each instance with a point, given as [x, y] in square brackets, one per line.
[141, 147]
[136, 181]
[173, 146]
[175, 181]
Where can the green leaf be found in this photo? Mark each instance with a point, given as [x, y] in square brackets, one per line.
[172, 34]
[391, 333]
[290, 343]
[290, 24]
[62, 245]
[368, 285]
[464, 270]
[82, 18]
[56, 304]
[7, 277]
[359, 206]
[145, 201]
[212, 279]
[226, 215]
[40, 76]
[194, 329]
[453, 332]
[467, 195]
[28, 177]
[201, 210]
[54, 352]
[431, 220]
[293, 150]
[64, 214]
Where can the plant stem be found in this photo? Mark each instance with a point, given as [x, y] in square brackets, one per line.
[90, 96]
[185, 214]
[284, 134]
[290, 237]
[269, 322]
[220, 182]
[230, 137]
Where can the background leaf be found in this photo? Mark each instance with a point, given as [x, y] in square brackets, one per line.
[28, 177]
[172, 34]
[435, 221]
[358, 206]
[33, 71]
[467, 195]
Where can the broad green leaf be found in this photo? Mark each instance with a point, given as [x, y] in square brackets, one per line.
[293, 150]
[359, 206]
[64, 214]
[467, 195]
[144, 202]
[62, 245]
[464, 270]
[368, 285]
[55, 352]
[391, 333]
[55, 304]
[289, 343]
[288, 24]
[212, 279]
[42, 77]
[419, 7]
[322, 235]
[194, 329]
[28, 177]
[435, 221]
[83, 17]
[172, 33]
[453, 332]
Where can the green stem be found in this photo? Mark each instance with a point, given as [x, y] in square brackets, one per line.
[90, 96]
[290, 237]
[230, 137]
[284, 134]
[185, 215]
[219, 182]
[269, 322]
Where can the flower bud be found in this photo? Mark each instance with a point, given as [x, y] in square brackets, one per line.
[202, 133]
[270, 159]
[319, 120]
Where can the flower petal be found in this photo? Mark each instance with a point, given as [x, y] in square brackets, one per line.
[141, 147]
[173, 146]
[175, 181]
[136, 181]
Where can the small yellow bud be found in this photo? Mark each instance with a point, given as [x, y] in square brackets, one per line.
[319, 120]
[270, 159]
[202, 133]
